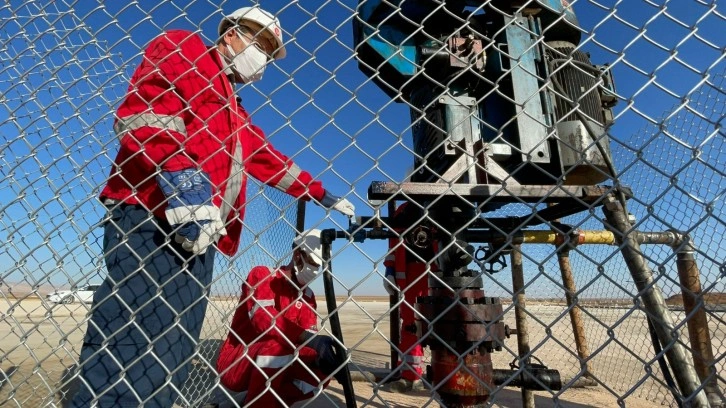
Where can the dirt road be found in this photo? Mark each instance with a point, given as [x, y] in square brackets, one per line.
[42, 341]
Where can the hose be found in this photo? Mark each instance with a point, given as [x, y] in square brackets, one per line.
[347, 382]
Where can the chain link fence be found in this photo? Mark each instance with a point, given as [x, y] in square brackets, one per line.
[391, 102]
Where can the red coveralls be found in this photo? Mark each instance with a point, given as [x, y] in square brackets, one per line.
[263, 340]
[412, 280]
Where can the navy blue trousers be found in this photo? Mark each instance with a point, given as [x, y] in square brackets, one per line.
[146, 317]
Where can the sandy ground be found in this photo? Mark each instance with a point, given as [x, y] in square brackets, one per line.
[42, 341]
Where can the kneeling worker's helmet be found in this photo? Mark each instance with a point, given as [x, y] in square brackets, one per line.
[260, 21]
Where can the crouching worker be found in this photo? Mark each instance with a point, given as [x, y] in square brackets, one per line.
[273, 350]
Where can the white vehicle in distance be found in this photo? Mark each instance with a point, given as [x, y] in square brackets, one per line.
[83, 294]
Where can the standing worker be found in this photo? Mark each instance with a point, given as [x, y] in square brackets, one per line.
[407, 271]
[178, 187]
[273, 350]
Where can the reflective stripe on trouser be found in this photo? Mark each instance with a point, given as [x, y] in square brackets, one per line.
[146, 317]
[415, 284]
[250, 370]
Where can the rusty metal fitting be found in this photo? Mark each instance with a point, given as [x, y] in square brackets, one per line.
[612, 203]
[576, 237]
[471, 318]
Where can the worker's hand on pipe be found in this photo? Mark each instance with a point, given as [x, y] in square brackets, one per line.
[334, 202]
[190, 212]
[389, 281]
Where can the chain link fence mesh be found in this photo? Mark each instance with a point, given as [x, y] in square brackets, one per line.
[66, 66]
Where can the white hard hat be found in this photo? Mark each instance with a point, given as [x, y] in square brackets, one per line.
[309, 242]
[269, 23]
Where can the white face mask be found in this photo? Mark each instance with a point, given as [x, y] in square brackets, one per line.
[248, 64]
[307, 273]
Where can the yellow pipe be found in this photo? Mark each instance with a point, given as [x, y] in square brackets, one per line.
[539, 237]
[598, 237]
[582, 237]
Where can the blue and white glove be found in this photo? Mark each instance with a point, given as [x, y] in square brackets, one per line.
[389, 281]
[342, 205]
[189, 209]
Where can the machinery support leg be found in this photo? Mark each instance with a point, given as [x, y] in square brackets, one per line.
[520, 317]
[654, 304]
[697, 322]
[578, 327]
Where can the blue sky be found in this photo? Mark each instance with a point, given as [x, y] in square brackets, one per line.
[65, 67]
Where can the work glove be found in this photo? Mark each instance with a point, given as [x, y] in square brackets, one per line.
[190, 212]
[327, 358]
[336, 203]
[389, 281]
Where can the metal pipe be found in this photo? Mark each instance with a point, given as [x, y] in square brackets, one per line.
[599, 237]
[327, 237]
[578, 327]
[697, 322]
[520, 316]
[669, 238]
[654, 304]
[546, 380]
[578, 237]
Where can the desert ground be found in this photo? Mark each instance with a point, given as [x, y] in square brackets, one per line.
[41, 342]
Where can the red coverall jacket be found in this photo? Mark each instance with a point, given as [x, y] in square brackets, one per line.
[265, 333]
[181, 112]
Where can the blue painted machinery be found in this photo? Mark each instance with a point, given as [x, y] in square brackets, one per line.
[505, 108]
[490, 80]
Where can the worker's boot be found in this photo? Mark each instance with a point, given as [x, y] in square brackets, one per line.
[403, 386]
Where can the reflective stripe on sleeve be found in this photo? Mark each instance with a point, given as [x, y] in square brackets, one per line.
[401, 275]
[290, 177]
[164, 122]
[273, 361]
[303, 386]
[259, 304]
